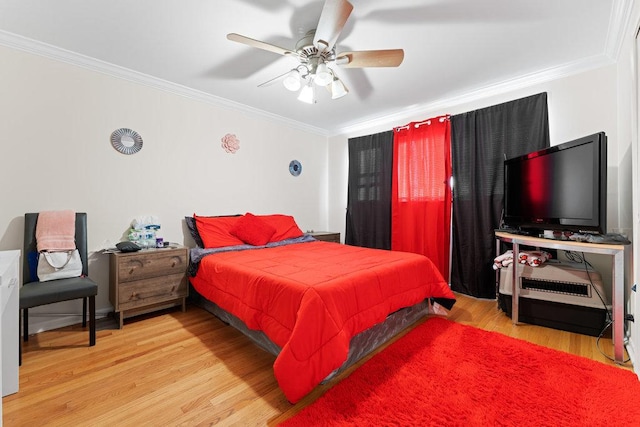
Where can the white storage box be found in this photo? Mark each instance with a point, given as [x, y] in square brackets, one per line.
[564, 283]
[9, 303]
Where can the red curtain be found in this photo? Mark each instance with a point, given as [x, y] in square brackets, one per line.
[421, 195]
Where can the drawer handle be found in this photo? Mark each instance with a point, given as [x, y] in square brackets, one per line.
[137, 264]
[176, 260]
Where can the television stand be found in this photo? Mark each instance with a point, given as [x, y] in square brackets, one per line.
[515, 231]
[620, 257]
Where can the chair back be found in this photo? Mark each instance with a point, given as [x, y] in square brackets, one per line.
[30, 253]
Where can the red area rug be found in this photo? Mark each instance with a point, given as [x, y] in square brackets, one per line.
[447, 374]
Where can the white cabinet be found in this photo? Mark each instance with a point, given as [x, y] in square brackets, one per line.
[9, 319]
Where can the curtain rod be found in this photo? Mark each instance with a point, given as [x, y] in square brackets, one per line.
[424, 122]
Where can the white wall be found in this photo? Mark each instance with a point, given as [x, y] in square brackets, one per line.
[628, 122]
[56, 154]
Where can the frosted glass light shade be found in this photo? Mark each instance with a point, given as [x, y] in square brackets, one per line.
[307, 94]
[338, 89]
[292, 81]
[323, 75]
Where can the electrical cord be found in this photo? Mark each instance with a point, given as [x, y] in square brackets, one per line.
[581, 259]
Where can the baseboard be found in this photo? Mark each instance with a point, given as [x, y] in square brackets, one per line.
[40, 322]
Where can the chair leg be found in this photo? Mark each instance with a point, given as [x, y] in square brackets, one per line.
[25, 324]
[92, 315]
[84, 312]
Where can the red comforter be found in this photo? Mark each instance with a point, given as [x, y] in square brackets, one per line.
[312, 298]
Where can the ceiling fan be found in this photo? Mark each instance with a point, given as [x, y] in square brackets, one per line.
[317, 56]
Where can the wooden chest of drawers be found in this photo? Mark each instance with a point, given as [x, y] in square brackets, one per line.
[147, 280]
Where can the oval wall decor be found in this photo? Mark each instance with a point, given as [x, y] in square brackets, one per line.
[126, 141]
[295, 168]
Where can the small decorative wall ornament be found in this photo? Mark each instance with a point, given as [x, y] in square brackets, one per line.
[230, 143]
[126, 141]
[295, 168]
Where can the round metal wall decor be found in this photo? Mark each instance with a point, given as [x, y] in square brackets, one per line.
[126, 141]
[295, 168]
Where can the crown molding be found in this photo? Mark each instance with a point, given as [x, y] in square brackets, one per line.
[618, 24]
[522, 82]
[18, 42]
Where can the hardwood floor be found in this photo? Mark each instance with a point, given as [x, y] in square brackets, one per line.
[190, 369]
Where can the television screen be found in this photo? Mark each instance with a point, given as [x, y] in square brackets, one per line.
[563, 187]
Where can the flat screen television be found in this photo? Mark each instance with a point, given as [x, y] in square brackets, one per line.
[563, 187]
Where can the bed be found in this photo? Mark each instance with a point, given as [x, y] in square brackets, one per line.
[318, 306]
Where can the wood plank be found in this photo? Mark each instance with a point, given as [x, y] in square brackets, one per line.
[189, 368]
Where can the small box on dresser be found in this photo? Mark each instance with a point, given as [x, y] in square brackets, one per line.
[147, 280]
[326, 236]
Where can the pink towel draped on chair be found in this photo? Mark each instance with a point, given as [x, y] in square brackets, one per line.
[56, 230]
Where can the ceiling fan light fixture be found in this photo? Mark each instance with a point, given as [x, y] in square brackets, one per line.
[292, 81]
[323, 75]
[317, 56]
[307, 94]
[338, 89]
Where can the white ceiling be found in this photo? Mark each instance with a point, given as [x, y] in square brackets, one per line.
[453, 48]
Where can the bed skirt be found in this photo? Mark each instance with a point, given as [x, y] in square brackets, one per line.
[360, 345]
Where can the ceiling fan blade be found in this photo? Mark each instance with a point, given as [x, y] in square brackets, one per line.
[332, 19]
[371, 58]
[259, 44]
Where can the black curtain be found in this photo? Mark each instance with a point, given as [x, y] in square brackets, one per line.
[369, 191]
[480, 141]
